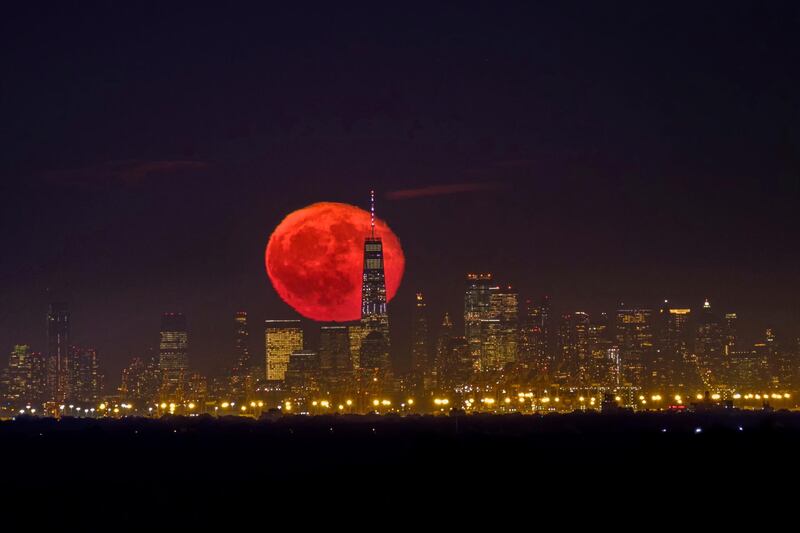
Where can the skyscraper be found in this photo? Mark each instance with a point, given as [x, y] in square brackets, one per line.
[440, 365]
[242, 374]
[780, 363]
[574, 349]
[602, 362]
[374, 315]
[673, 367]
[534, 347]
[26, 376]
[86, 379]
[709, 349]
[241, 339]
[141, 380]
[420, 352]
[730, 333]
[635, 340]
[454, 364]
[173, 356]
[504, 308]
[58, 338]
[197, 388]
[336, 367]
[746, 370]
[476, 308]
[490, 339]
[302, 374]
[457, 364]
[281, 338]
[356, 333]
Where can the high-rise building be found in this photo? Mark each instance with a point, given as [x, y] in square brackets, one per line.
[574, 350]
[374, 314]
[534, 346]
[476, 308]
[335, 365]
[281, 338]
[602, 362]
[141, 381]
[420, 349]
[709, 349]
[197, 389]
[730, 333]
[86, 386]
[673, 368]
[440, 364]
[303, 373]
[58, 339]
[634, 333]
[504, 309]
[490, 341]
[26, 377]
[781, 364]
[356, 332]
[173, 356]
[242, 375]
[456, 363]
[746, 371]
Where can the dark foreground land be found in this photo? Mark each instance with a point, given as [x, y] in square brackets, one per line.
[439, 463]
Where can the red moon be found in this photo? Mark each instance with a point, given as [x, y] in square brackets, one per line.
[315, 260]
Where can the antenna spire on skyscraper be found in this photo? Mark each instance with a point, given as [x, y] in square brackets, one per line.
[372, 211]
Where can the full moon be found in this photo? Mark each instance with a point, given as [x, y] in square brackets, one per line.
[314, 259]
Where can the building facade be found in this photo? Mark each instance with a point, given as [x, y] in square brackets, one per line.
[281, 338]
[173, 356]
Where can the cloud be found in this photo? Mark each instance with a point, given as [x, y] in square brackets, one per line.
[125, 172]
[443, 190]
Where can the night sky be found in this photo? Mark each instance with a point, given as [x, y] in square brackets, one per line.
[594, 151]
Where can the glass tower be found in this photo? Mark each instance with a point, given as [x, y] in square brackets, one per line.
[374, 317]
[173, 356]
[476, 310]
[58, 333]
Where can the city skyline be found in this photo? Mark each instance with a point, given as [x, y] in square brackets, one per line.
[751, 331]
[356, 261]
[530, 141]
[632, 348]
[213, 338]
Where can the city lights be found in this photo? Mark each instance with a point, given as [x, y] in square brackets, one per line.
[509, 357]
[337, 265]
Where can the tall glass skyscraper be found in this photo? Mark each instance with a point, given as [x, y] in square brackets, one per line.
[504, 308]
[58, 334]
[334, 357]
[173, 356]
[86, 380]
[374, 316]
[476, 309]
[420, 348]
[242, 373]
[635, 340]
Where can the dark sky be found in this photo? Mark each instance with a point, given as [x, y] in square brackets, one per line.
[622, 150]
